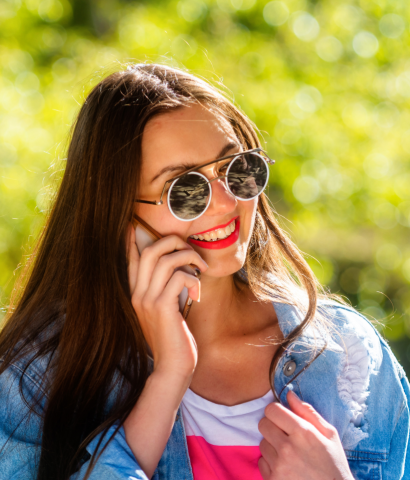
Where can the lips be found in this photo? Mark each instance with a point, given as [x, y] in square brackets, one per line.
[220, 237]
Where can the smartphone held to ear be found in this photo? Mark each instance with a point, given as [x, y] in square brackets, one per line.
[145, 236]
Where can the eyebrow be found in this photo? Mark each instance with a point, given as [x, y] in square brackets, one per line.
[187, 166]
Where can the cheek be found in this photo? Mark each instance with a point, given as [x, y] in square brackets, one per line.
[160, 218]
[248, 214]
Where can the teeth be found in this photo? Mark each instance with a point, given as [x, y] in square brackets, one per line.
[219, 234]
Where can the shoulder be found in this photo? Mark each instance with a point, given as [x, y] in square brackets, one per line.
[25, 383]
[24, 386]
[349, 374]
[337, 328]
[22, 402]
[373, 390]
[354, 333]
[351, 330]
[31, 368]
[368, 372]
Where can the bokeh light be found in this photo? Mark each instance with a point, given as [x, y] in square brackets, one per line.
[326, 82]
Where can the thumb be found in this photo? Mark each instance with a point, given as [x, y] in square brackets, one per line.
[308, 413]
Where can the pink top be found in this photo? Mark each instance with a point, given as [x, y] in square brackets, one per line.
[223, 442]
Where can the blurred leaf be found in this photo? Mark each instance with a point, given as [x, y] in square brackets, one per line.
[326, 82]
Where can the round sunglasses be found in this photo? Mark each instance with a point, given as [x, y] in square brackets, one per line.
[246, 175]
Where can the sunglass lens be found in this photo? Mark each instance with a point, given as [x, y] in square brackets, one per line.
[189, 196]
[247, 176]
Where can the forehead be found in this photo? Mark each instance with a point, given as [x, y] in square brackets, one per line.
[192, 134]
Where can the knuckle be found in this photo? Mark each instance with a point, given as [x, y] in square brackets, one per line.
[331, 428]
[262, 424]
[162, 260]
[173, 239]
[331, 431]
[303, 430]
[309, 407]
[308, 434]
[285, 450]
[147, 252]
[264, 469]
[136, 301]
[146, 304]
[270, 409]
[281, 470]
[264, 446]
[183, 256]
[180, 277]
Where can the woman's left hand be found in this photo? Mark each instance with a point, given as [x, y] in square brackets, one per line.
[300, 444]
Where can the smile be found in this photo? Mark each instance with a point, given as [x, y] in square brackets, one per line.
[220, 237]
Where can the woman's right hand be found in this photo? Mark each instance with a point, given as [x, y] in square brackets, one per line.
[155, 287]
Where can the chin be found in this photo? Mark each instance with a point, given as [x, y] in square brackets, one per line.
[224, 266]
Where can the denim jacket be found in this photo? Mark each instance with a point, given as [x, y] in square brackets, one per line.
[349, 375]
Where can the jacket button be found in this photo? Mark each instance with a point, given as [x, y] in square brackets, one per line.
[289, 368]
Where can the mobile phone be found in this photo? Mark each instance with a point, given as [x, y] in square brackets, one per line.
[145, 236]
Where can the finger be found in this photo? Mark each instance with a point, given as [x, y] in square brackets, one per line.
[268, 452]
[151, 255]
[132, 258]
[271, 432]
[178, 281]
[308, 413]
[264, 468]
[283, 418]
[165, 268]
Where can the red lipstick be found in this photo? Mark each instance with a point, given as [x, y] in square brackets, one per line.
[217, 244]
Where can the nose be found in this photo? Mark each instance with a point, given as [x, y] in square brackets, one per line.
[222, 201]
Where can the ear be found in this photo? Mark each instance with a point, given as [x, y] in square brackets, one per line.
[308, 413]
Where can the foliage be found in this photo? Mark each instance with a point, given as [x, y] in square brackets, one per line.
[327, 82]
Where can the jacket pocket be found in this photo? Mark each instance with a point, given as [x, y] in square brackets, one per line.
[366, 465]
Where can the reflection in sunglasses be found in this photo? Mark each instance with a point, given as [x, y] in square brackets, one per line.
[246, 177]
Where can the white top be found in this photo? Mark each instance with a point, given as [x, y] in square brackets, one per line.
[223, 442]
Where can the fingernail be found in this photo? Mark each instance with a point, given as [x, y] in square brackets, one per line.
[199, 292]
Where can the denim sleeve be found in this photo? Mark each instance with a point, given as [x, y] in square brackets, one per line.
[20, 431]
[398, 465]
[117, 462]
[21, 434]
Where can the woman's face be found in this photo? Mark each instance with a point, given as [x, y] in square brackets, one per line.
[174, 142]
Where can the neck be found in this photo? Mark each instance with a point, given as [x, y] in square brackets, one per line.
[215, 312]
[226, 311]
[230, 327]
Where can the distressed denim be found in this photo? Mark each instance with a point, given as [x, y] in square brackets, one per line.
[347, 373]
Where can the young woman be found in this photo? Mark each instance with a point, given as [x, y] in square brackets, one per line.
[267, 378]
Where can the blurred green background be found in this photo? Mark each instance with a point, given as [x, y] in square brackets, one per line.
[327, 83]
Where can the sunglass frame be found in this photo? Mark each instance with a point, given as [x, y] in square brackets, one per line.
[265, 157]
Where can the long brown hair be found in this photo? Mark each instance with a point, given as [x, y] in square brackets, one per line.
[75, 305]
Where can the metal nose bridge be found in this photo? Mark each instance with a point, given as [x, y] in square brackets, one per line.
[211, 180]
[216, 178]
